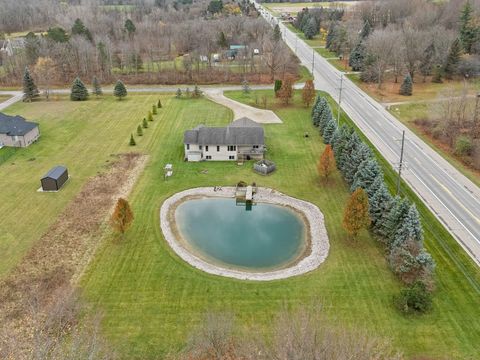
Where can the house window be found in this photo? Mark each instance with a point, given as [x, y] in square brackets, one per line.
[255, 146]
[206, 148]
[200, 147]
[231, 157]
[208, 157]
[218, 148]
[232, 147]
[188, 146]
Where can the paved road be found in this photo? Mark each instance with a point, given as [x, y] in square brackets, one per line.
[453, 198]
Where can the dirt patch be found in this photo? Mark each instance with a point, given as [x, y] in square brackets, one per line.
[58, 259]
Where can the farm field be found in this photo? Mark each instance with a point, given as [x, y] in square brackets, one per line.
[79, 135]
[151, 299]
[294, 8]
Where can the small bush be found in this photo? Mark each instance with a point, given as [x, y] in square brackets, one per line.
[145, 124]
[149, 117]
[139, 130]
[159, 103]
[132, 140]
[154, 110]
[463, 146]
[277, 86]
[414, 299]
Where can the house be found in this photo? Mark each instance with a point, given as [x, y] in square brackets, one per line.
[243, 139]
[15, 131]
[54, 179]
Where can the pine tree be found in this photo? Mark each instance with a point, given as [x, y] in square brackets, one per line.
[30, 90]
[119, 91]
[358, 154]
[339, 141]
[357, 57]
[318, 111]
[356, 215]
[453, 59]
[325, 117]
[468, 30]
[130, 27]
[277, 34]
[427, 61]
[395, 218]
[154, 110]
[196, 92]
[326, 164]
[409, 229]
[79, 91]
[149, 116]
[330, 35]
[311, 28]
[329, 131]
[368, 171]
[222, 40]
[79, 28]
[407, 86]
[344, 160]
[97, 89]
[159, 104]
[366, 30]
[308, 93]
[132, 141]
[315, 104]
[380, 206]
[245, 87]
[277, 86]
[145, 123]
[178, 94]
[122, 217]
[139, 130]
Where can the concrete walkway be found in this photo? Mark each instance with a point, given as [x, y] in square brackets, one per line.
[241, 110]
[16, 96]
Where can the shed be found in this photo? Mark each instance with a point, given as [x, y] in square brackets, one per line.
[264, 166]
[55, 178]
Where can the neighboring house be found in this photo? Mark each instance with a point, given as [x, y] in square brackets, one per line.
[15, 131]
[243, 139]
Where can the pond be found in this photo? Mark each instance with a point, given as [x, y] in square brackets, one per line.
[221, 232]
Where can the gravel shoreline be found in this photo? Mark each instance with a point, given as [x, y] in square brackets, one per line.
[319, 244]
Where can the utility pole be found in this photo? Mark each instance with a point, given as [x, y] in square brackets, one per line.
[401, 163]
[340, 100]
[313, 59]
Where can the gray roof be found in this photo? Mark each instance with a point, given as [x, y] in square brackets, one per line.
[15, 125]
[55, 172]
[241, 132]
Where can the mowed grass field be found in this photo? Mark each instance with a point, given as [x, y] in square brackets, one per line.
[151, 299]
[79, 135]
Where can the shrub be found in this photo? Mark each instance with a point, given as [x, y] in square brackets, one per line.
[149, 117]
[139, 130]
[414, 299]
[277, 86]
[178, 94]
[463, 145]
[132, 140]
[145, 123]
[159, 103]
[154, 110]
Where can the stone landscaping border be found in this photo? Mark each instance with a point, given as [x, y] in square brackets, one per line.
[319, 244]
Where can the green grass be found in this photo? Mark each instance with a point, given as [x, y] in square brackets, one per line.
[151, 299]
[80, 135]
[408, 113]
[304, 74]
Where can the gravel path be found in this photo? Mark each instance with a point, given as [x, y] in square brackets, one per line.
[318, 234]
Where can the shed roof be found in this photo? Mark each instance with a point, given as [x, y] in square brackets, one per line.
[15, 125]
[55, 172]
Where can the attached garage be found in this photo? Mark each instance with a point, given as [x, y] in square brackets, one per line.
[54, 179]
[194, 156]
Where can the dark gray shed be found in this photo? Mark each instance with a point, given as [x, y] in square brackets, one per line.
[55, 178]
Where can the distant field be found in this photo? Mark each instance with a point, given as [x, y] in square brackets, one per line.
[293, 8]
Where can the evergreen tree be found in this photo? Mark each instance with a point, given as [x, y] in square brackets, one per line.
[32, 47]
[468, 30]
[245, 87]
[344, 159]
[329, 131]
[178, 94]
[79, 28]
[339, 140]
[130, 27]
[330, 35]
[277, 34]
[409, 229]
[315, 104]
[154, 109]
[357, 57]
[119, 91]
[97, 89]
[326, 117]
[57, 34]
[368, 171]
[356, 215]
[359, 154]
[427, 61]
[145, 123]
[159, 104]
[311, 28]
[380, 207]
[277, 86]
[196, 92]
[132, 141]
[453, 59]
[395, 218]
[30, 90]
[140, 130]
[407, 86]
[222, 40]
[149, 116]
[215, 6]
[366, 30]
[79, 91]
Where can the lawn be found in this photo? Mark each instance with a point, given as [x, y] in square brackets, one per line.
[80, 135]
[408, 113]
[151, 299]
[422, 91]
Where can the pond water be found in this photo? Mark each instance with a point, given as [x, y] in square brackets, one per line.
[217, 230]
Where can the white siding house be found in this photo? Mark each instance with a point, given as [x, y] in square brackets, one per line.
[243, 139]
